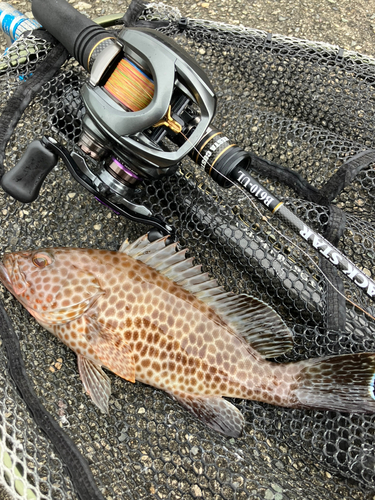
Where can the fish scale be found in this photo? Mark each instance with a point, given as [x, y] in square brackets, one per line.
[147, 313]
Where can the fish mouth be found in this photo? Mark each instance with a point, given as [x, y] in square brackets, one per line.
[11, 276]
[5, 278]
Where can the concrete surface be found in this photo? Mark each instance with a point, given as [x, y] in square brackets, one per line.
[347, 23]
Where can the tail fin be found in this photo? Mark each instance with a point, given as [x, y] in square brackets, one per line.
[344, 383]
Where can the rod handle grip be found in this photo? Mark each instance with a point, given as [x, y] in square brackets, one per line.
[80, 35]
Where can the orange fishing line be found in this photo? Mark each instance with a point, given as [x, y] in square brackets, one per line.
[129, 85]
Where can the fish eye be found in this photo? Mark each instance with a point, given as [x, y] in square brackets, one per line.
[41, 260]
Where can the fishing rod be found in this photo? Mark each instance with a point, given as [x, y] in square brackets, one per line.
[148, 104]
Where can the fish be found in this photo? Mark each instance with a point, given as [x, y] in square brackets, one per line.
[148, 313]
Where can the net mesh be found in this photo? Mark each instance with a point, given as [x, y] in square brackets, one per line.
[307, 106]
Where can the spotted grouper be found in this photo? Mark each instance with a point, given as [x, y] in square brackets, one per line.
[147, 313]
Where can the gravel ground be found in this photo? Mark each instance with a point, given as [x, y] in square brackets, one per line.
[351, 25]
[348, 24]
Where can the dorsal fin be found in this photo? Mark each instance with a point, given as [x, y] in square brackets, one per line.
[249, 317]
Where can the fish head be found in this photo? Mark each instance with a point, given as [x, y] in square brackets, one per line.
[52, 284]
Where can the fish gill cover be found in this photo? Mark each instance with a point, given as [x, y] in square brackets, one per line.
[306, 106]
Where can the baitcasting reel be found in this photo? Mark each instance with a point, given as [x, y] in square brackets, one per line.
[147, 105]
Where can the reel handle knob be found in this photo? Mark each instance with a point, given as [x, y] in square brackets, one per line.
[23, 182]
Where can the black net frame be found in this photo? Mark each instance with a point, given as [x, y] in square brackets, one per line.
[305, 106]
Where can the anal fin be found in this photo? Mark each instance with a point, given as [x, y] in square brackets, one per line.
[216, 412]
[96, 382]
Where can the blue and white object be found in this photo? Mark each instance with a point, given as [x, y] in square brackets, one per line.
[13, 23]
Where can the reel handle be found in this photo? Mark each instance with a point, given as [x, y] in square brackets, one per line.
[82, 37]
[23, 182]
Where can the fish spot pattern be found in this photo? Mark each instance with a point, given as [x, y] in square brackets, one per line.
[176, 341]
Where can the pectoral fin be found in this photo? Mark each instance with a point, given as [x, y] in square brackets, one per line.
[112, 350]
[95, 381]
[216, 412]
